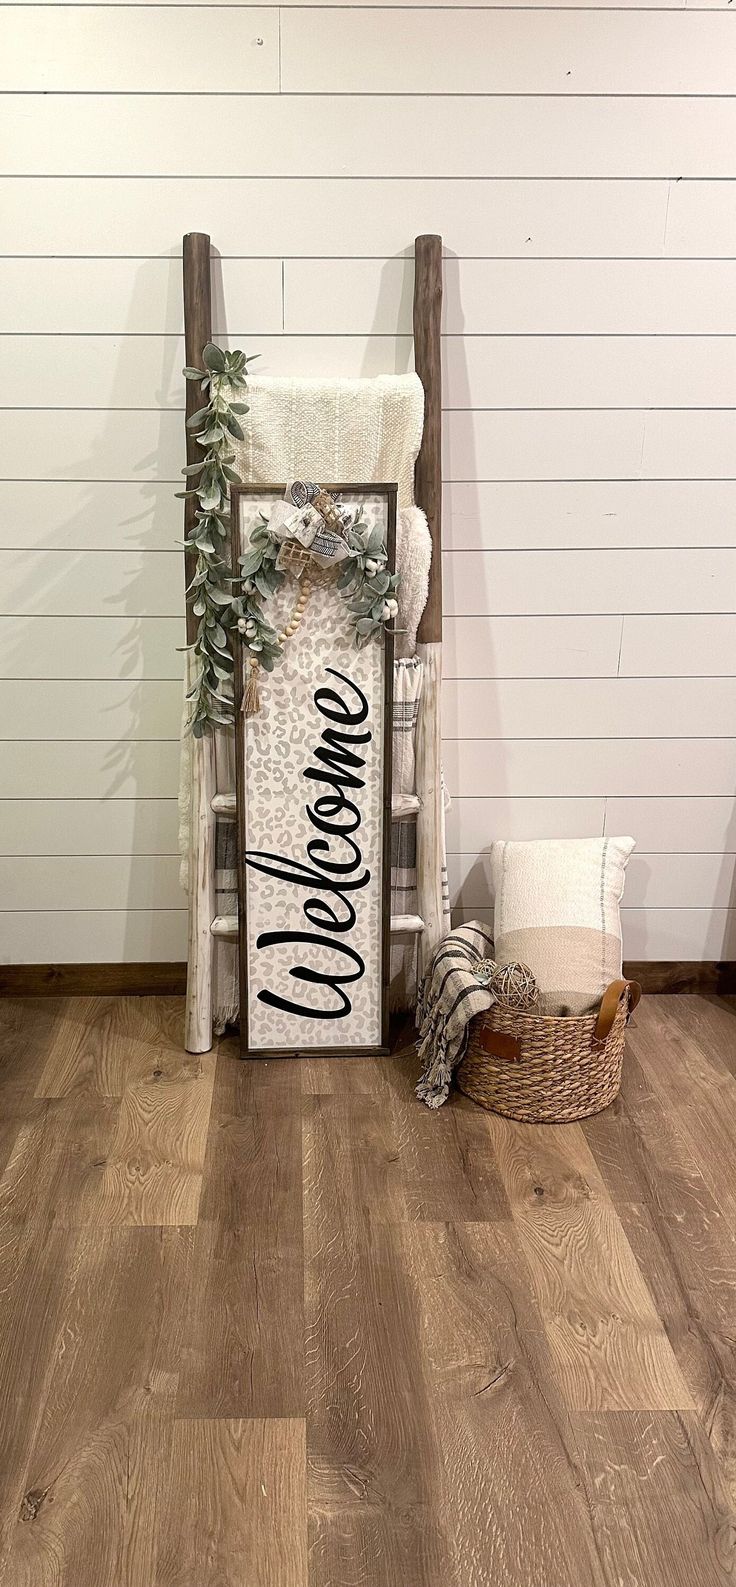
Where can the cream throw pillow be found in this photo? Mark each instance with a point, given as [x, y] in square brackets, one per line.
[556, 908]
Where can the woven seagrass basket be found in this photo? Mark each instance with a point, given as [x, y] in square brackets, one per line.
[548, 1069]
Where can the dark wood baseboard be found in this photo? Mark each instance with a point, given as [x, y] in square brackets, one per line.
[683, 975]
[151, 980]
[92, 980]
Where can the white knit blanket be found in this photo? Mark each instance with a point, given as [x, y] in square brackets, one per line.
[340, 432]
[335, 431]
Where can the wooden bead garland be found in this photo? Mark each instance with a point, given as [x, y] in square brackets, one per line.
[297, 613]
[251, 697]
[513, 986]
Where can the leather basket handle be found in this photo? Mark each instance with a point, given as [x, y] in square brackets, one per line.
[612, 998]
[498, 1045]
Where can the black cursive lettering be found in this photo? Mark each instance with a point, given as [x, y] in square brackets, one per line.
[337, 763]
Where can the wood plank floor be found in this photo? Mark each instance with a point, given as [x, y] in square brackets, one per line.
[278, 1325]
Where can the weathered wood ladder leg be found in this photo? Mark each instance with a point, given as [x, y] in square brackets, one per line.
[428, 494]
[200, 946]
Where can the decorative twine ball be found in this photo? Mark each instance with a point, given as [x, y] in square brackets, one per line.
[514, 986]
[485, 970]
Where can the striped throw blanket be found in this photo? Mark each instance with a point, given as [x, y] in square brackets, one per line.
[449, 997]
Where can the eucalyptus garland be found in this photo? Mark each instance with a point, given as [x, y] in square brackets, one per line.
[366, 582]
[211, 594]
[363, 580]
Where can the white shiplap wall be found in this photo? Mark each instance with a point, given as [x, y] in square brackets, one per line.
[580, 163]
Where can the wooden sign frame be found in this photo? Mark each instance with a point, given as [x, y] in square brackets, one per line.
[240, 494]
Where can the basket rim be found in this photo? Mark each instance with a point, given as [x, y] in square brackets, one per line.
[539, 1019]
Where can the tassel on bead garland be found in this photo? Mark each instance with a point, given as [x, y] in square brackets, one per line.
[252, 695]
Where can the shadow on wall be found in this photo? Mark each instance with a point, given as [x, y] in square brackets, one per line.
[393, 313]
[147, 703]
[133, 599]
[727, 933]
[472, 898]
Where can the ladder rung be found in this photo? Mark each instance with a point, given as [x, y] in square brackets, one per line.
[401, 925]
[223, 804]
[404, 805]
[406, 925]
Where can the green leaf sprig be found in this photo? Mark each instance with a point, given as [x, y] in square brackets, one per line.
[260, 579]
[366, 583]
[211, 593]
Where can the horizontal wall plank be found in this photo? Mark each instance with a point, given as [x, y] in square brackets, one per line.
[86, 881]
[101, 371]
[592, 768]
[653, 881]
[698, 207]
[689, 444]
[88, 826]
[116, 708]
[589, 581]
[661, 934]
[114, 936]
[92, 647]
[681, 881]
[95, 47]
[149, 215]
[101, 770]
[493, 709]
[534, 647]
[81, 445]
[590, 444]
[555, 647]
[119, 583]
[679, 646]
[108, 583]
[544, 514]
[473, 824]
[68, 444]
[666, 5]
[679, 933]
[542, 296]
[650, 708]
[86, 515]
[144, 296]
[660, 825]
[79, 515]
[374, 296]
[588, 371]
[144, 371]
[94, 135]
[474, 647]
[483, 444]
[528, 444]
[455, 51]
[668, 825]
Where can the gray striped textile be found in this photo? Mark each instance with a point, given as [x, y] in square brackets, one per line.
[449, 997]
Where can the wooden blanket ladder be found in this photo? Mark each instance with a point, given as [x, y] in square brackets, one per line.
[425, 806]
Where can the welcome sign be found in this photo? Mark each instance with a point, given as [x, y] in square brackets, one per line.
[313, 785]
